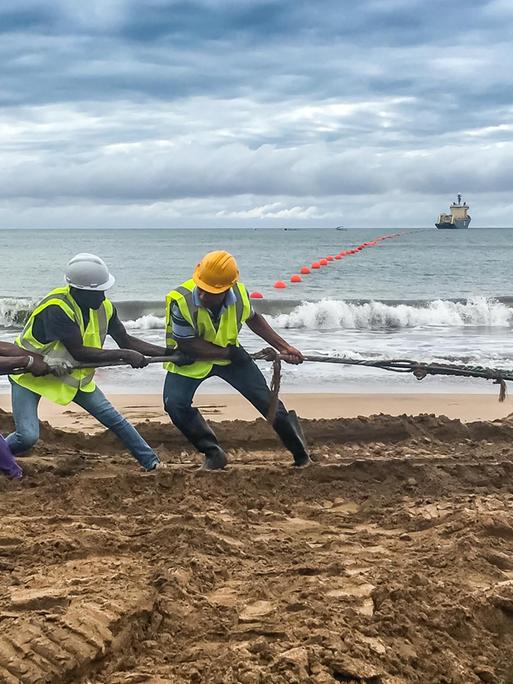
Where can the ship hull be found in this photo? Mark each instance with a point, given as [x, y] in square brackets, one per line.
[459, 224]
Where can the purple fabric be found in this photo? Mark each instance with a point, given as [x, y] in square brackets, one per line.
[8, 464]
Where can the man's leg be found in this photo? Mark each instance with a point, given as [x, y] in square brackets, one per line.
[179, 392]
[97, 404]
[24, 412]
[247, 378]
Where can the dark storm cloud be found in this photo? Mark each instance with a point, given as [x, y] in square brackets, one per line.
[176, 49]
[123, 102]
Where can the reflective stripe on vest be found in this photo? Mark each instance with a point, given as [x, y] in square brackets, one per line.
[230, 323]
[64, 389]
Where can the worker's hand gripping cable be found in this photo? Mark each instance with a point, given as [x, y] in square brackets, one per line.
[59, 367]
[239, 355]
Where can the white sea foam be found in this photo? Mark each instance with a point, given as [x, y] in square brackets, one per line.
[147, 322]
[331, 314]
[14, 312]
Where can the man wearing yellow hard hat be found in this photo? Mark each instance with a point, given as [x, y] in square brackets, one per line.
[203, 318]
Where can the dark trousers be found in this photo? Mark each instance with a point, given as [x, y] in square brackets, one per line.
[247, 378]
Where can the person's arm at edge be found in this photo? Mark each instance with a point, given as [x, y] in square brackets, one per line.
[14, 358]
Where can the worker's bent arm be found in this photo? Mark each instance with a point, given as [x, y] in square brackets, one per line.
[201, 349]
[126, 341]
[73, 343]
[261, 327]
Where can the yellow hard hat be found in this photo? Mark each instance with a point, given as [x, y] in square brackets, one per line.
[216, 272]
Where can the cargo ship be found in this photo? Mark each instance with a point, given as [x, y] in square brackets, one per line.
[458, 218]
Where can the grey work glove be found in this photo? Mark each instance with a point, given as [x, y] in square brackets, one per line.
[59, 367]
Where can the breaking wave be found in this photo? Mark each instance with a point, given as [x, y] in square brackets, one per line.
[147, 322]
[327, 314]
[14, 312]
[331, 314]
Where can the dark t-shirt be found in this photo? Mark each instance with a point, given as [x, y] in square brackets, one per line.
[53, 324]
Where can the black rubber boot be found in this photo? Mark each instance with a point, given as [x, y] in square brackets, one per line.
[215, 459]
[201, 435]
[291, 433]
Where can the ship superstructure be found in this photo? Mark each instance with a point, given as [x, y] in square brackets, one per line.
[458, 218]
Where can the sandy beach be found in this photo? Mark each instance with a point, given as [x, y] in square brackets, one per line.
[397, 539]
[217, 407]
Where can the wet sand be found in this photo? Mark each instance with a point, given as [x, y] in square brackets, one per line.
[465, 407]
[388, 561]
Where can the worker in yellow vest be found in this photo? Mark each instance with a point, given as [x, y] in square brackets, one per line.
[203, 318]
[69, 327]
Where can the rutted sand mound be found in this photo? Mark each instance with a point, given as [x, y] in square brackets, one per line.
[389, 561]
[258, 435]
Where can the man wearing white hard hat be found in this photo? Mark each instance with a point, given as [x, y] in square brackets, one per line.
[66, 328]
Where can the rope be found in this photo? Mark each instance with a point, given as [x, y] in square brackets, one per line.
[419, 370]
[270, 354]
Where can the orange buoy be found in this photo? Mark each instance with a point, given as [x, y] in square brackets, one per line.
[295, 278]
[316, 264]
[305, 270]
[329, 258]
[338, 257]
[323, 262]
[256, 295]
[279, 285]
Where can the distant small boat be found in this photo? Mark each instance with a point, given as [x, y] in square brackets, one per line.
[457, 219]
[340, 228]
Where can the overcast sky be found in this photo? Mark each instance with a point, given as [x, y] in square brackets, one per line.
[159, 113]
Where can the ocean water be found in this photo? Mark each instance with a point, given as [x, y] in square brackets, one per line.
[426, 295]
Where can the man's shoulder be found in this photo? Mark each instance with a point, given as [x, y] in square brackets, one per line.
[52, 323]
[188, 285]
[176, 313]
[52, 312]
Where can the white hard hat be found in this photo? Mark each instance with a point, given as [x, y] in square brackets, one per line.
[89, 272]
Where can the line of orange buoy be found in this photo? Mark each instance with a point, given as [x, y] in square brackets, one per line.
[325, 261]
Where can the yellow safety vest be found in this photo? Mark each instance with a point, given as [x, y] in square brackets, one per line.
[64, 389]
[227, 332]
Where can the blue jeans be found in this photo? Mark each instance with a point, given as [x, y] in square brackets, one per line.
[247, 378]
[24, 409]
